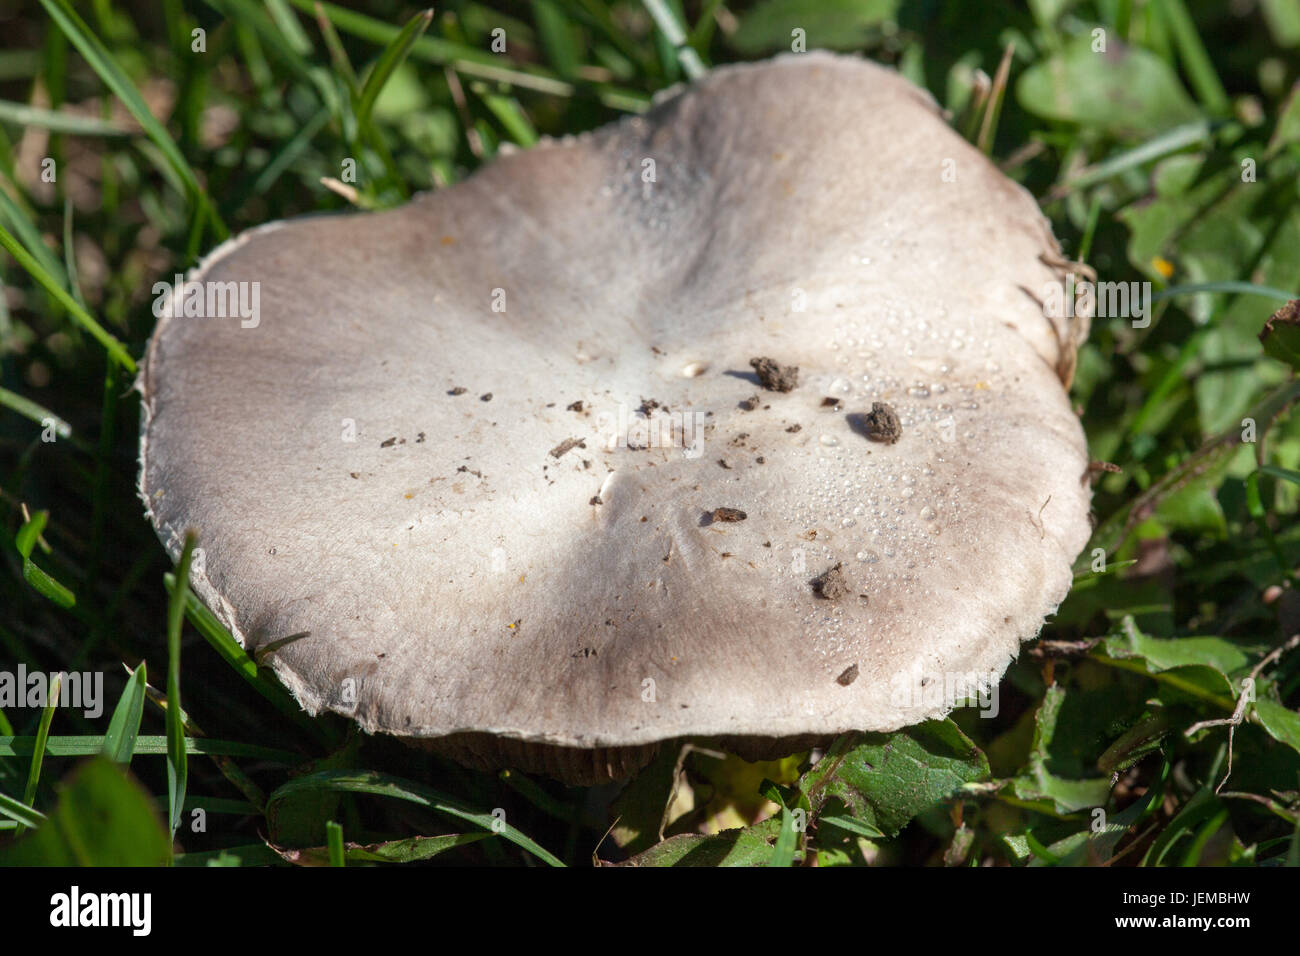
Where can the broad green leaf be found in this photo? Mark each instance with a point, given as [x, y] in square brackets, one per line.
[300, 819]
[1125, 92]
[1282, 723]
[1096, 843]
[102, 818]
[1283, 19]
[639, 809]
[1165, 654]
[409, 850]
[1195, 507]
[1281, 334]
[884, 780]
[1040, 783]
[751, 846]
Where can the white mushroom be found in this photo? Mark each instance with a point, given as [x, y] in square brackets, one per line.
[450, 449]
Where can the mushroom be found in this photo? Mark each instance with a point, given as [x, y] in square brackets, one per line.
[516, 584]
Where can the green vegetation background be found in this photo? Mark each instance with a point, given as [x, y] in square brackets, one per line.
[1172, 158]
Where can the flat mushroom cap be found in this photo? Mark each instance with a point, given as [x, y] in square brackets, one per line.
[503, 561]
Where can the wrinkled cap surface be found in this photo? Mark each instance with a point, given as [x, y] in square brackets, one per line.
[390, 459]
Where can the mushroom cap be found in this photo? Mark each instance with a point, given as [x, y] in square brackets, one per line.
[502, 568]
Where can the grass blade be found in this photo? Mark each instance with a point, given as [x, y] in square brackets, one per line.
[57, 121]
[334, 841]
[155, 745]
[83, 318]
[557, 37]
[339, 56]
[1286, 474]
[1195, 59]
[255, 854]
[389, 61]
[1229, 286]
[1167, 143]
[993, 108]
[177, 769]
[29, 236]
[38, 751]
[384, 785]
[219, 639]
[38, 413]
[124, 727]
[668, 25]
[512, 117]
[102, 62]
[476, 63]
[783, 851]
[25, 540]
[24, 815]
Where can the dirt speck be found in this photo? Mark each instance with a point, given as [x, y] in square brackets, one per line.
[728, 514]
[485, 397]
[882, 424]
[388, 442]
[567, 445]
[749, 404]
[794, 428]
[775, 377]
[849, 676]
[831, 402]
[831, 584]
[458, 390]
[575, 406]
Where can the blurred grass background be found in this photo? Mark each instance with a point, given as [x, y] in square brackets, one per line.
[135, 136]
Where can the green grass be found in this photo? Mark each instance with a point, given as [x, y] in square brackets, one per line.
[165, 140]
